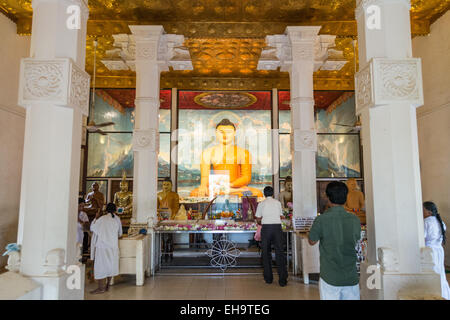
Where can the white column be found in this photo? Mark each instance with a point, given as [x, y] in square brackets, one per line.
[146, 132]
[55, 90]
[301, 51]
[302, 41]
[388, 90]
[174, 137]
[155, 52]
[275, 144]
[303, 137]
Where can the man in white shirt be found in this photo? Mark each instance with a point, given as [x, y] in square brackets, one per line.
[269, 214]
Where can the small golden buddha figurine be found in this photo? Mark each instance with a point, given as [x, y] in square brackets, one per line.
[226, 156]
[123, 199]
[286, 195]
[168, 201]
[181, 214]
[355, 200]
[94, 201]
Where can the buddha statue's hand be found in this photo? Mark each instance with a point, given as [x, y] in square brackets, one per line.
[203, 191]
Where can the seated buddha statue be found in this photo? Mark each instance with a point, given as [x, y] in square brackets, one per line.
[123, 199]
[355, 200]
[225, 156]
[286, 195]
[94, 201]
[168, 201]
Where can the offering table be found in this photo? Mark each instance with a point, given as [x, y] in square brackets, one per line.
[225, 227]
[134, 256]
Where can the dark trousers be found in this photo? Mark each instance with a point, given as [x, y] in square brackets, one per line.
[272, 234]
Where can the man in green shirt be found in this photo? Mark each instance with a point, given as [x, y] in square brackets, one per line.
[338, 232]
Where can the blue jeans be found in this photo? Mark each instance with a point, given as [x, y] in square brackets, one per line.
[329, 292]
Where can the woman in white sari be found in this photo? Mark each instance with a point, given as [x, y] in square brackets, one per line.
[434, 230]
[106, 231]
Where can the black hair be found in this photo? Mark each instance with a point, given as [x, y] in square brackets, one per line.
[430, 206]
[337, 192]
[268, 191]
[111, 208]
[226, 122]
[80, 200]
[288, 179]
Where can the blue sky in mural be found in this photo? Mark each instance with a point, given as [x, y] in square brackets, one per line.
[105, 113]
[338, 155]
[343, 114]
[109, 155]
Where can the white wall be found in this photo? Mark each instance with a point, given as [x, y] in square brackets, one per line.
[12, 126]
[433, 119]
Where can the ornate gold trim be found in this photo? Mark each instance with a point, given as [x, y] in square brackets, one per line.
[198, 101]
[345, 84]
[224, 29]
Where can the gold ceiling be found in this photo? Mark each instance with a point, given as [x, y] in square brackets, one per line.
[225, 37]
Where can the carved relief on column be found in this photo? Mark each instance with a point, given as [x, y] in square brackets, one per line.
[388, 260]
[297, 44]
[151, 44]
[54, 262]
[363, 89]
[426, 260]
[146, 51]
[146, 139]
[55, 81]
[385, 81]
[303, 140]
[304, 51]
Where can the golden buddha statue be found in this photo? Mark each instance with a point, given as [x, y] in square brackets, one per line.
[286, 195]
[123, 199]
[355, 200]
[168, 201]
[226, 156]
[94, 201]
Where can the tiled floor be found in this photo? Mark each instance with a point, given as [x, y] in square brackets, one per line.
[181, 287]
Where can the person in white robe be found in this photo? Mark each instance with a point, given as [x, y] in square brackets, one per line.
[106, 231]
[434, 231]
[83, 220]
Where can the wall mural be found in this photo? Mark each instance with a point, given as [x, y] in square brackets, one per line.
[338, 146]
[197, 133]
[199, 112]
[109, 155]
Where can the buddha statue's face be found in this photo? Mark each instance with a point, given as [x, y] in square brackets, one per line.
[95, 186]
[288, 186]
[123, 186]
[167, 186]
[351, 184]
[225, 134]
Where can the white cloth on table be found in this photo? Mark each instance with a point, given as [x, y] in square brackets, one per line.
[270, 211]
[433, 240]
[329, 292]
[105, 245]
[82, 216]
